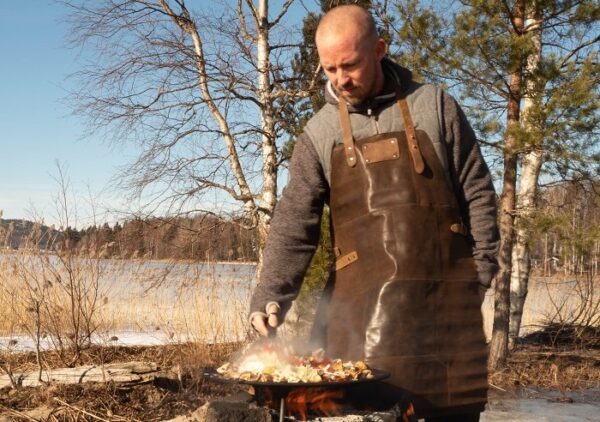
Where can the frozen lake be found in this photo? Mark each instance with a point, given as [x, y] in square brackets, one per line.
[150, 302]
[137, 301]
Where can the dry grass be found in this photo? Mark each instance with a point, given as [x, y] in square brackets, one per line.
[189, 306]
[567, 370]
[199, 314]
[188, 356]
[161, 400]
[176, 301]
[561, 300]
[186, 304]
[528, 367]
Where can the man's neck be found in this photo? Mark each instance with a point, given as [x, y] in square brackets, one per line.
[389, 85]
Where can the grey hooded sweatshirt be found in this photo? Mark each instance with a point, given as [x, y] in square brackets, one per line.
[295, 226]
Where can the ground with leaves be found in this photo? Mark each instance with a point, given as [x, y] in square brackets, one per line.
[533, 365]
[161, 399]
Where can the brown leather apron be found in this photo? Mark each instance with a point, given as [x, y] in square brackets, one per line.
[404, 293]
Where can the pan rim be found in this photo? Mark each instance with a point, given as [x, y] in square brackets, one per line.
[212, 375]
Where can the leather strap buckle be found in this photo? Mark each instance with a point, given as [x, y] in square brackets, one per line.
[345, 260]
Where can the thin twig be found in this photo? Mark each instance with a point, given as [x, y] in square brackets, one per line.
[80, 410]
[22, 415]
[495, 386]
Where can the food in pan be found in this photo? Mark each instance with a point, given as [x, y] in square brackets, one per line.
[273, 366]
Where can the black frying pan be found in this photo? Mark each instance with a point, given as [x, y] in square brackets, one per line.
[279, 390]
[212, 375]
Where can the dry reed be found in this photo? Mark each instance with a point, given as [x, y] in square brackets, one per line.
[169, 302]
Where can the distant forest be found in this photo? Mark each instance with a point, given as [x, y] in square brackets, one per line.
[203, 237]
[565, 235]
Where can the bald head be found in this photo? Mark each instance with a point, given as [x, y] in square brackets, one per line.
[350, 52]
[342, 19]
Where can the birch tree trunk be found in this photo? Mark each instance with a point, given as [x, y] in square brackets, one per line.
[268, 194]
[499, 342]
[521, 260]
[201, 92]
[190, 27]
[526, 197]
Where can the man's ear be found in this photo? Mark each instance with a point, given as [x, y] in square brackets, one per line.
[380, 48]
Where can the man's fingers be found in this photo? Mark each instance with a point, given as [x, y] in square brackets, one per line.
[265, 324]
[273, 320]
[273, 315]
[259, 325]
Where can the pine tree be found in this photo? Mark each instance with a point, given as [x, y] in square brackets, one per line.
[527, 73]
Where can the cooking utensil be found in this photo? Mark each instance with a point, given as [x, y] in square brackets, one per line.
[212, 375]
[280, 390]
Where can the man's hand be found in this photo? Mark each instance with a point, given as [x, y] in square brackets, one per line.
[266, 325]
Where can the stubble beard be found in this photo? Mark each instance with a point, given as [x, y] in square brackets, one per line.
[353, 100]
[362, 94]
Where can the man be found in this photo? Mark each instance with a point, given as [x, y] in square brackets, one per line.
[413, 226]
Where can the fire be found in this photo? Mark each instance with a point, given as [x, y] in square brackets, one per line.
[409, 415]
[303, 403]
[320, 401]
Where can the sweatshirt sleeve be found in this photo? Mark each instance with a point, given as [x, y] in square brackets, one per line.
[294, 231]
[474, 189]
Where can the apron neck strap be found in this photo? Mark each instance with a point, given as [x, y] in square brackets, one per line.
[411, 134]
[347, 133]
[409, 128]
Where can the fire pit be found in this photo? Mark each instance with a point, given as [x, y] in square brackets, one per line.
[317, 400]
[294, 384]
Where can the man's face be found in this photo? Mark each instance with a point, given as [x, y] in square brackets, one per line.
[352, 64]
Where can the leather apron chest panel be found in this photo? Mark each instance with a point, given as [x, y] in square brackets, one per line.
[404, 294]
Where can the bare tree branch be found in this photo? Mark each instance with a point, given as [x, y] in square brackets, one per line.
[283, 11]
[574, 51]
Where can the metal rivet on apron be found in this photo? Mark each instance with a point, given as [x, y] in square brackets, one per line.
[395, 156]
[351, 158]
[368, 161]
[392, 141]
[364, 146]
[349, 148]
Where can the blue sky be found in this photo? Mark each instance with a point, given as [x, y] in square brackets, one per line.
[36, 125]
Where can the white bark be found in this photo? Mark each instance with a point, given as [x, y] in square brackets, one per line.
[531, 164]
[261, 205]
[190, 28]
[201, 93]
[269, 151]
[521, 268]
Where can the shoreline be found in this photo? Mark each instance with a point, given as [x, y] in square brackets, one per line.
[134, 259]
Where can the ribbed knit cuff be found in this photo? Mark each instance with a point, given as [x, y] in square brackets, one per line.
[486, 272]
